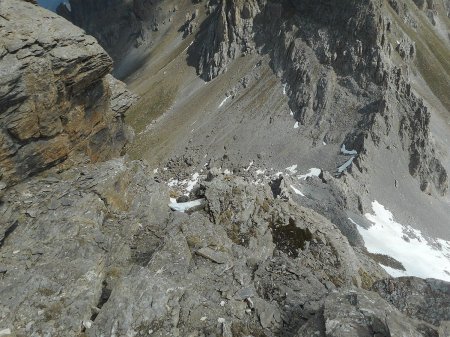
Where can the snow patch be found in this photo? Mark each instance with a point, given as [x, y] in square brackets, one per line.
[313, 172]
[173, 182]
[422, 257]
[192, 182]
[348, 152]
[249, 166]
[296, 125]
[291, 113]
[284, 89]
[185, 206]
[259, 172]
[344, 166]
[292, 169]
[297, 191]
[224, 101]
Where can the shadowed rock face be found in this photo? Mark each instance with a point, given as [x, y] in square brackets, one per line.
[56, 97]
[333, 56]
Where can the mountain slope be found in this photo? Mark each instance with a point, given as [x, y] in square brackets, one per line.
[277, 137]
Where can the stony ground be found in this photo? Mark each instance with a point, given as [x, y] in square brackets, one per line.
[229, 215]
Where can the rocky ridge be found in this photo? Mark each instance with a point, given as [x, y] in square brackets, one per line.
[94, 250]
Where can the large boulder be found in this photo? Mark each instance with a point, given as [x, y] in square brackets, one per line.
[55, 95]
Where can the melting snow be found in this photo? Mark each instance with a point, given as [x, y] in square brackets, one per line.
[297, 191]
[192, 182]
[292, 169]
[313, 172]
[185, 206]
[224, 101]
[296, 125]
[249, 166]
[421, 257]
[344, 166]
[173, 183]
[348, 152]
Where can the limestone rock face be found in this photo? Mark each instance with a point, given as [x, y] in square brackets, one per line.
[55, 97]
[332, 56]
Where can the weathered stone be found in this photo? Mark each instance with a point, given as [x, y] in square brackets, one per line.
[55, 98]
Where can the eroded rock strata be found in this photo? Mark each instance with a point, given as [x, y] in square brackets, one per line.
[57, 99]
[92, 249]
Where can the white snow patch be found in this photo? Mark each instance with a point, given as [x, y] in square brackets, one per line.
[297, 191]
[192, 182]
[348, 152]
[185, 206]
[313, 172]
[221, 320]
[5, 332]
[259, 172]
[422, 257]
[278, 174]
[292, 169]
[249, 166]
[284, 89]
[344, 166]
[155, 170]
[203, 318]
[224, 101]
[291, 113]
[173, 183]
[227, 171]
[296, 125]
[324, 143]
[190, 44]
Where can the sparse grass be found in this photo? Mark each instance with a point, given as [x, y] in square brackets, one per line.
[432, 56]
[152, 105]
[387, 261]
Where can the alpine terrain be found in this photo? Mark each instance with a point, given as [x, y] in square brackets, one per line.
[225, 168]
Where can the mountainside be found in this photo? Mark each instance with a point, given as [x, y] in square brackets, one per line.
[315, 76]
[288, 162]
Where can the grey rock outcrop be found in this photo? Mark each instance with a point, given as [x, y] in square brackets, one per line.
[95, 250]
[427, 300]
[56, 100]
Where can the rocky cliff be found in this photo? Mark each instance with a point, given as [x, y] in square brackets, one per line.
[121, 248]
[56, 98]
[341, 74]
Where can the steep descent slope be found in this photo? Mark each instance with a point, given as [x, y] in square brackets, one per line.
[342, 87]
[349, 73]
[94, 250]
